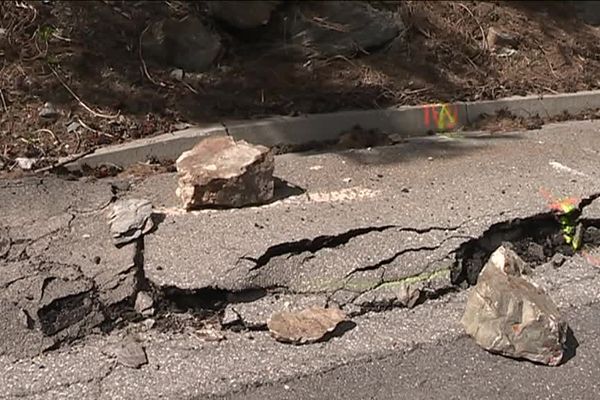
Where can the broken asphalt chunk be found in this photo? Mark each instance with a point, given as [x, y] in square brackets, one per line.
[508, 314]
[131, 353]
[219, 171]
[129, 220]
[144, 304]
[307, 326]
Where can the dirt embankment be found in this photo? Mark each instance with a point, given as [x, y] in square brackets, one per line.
[84, 59]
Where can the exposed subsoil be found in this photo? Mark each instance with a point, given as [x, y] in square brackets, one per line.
[76, 53]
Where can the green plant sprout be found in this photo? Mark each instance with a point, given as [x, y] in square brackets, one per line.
[567, 213]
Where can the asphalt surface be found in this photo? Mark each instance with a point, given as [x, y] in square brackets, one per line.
[431, 184]
[455, 370]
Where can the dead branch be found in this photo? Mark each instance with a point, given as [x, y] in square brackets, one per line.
[76, 97]
[64, 161]
[483, 40]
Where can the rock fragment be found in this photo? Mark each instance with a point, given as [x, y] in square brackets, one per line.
[219, 171]
[130, 219]
[144, 304]
[187, 44]
[331, 28]
[131, 353]
[307, 326]
[498, 39]
[508, 314]
[49, 111]
[25, 163]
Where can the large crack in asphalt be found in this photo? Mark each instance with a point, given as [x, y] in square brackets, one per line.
[538, 239]
[330, 241]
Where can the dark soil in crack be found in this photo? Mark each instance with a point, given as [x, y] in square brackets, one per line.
[93, 47]
[536, 240]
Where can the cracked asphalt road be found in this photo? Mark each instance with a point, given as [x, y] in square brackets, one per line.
[433, 194]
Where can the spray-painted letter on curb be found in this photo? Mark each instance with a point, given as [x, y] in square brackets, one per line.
[444, 116]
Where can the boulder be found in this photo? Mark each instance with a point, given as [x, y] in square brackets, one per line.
[306, 326]
[330, 28]
[243, 14]
[186, 44]
[508, 314]
[219, 171]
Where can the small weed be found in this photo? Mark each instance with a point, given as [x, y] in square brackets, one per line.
[567, 213]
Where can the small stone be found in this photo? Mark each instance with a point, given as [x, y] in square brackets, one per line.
[120, 185]
[26, 164]
[49, 111]
[177, 74]
[131, 354]
[497, 38]
[97, 260]
[307, 326]
[558, 260]
[73, 126]
[230, 317]
[219, 171]
[144, 304]
[209, 334]
[129, 220]
[149, 323]
[508, 314]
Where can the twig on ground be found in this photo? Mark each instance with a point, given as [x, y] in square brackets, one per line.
[144, 66]
[64, 161]
[341, 57]
[44, 130]
[3, 101]
[547, 60]
[81, 103]
[89, 128]
[467, 9]
[323, 23]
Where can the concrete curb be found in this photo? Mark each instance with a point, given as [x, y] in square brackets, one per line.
[406, 121]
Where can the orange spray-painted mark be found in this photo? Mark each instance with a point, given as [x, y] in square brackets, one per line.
[444, 118]
[565, 205]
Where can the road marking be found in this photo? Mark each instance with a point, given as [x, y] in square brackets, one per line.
[346, 195]
[563, 168]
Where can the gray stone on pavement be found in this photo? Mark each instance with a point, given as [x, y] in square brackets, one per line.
[131, 353]
[507, 313]
[144, 304]
[129, 219]
[219, 171]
